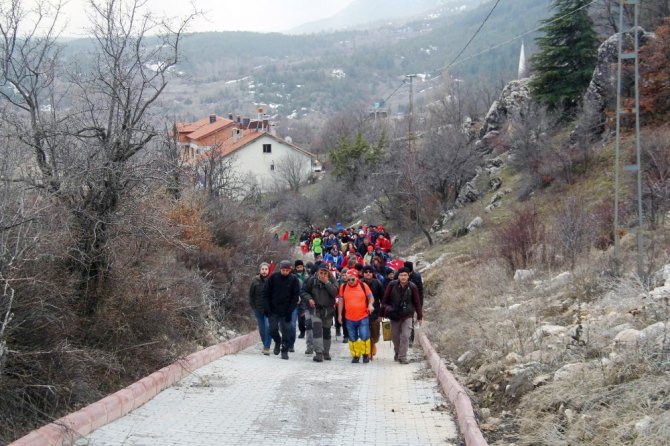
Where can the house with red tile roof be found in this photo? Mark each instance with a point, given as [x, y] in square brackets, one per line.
[253, 149]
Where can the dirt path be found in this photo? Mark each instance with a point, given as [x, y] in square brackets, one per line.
[250, 399]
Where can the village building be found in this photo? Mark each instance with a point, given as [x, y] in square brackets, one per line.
[251, 147]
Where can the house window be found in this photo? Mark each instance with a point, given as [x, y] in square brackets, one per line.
[267, 148]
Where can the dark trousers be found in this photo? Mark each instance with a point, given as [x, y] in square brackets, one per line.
[279, 324]
[301, 322]
[343, 327]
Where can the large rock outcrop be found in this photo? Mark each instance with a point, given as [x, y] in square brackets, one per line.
[601, 93]
[508, 106]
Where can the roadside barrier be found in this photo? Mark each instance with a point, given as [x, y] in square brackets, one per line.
[455, 393]
[67, 430]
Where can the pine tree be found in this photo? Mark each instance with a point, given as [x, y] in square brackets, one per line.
[567, 56]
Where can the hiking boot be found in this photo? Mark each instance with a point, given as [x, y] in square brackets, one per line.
[326, 349]
[355, 359]
[277, 349]
[284, 355]
[403, 361]
[318, 357]
[395, 357]
[345, 340]
[291, 349]
[338, 332]
[301, 335]
[309, 351]
[366, 359]
[266, 351]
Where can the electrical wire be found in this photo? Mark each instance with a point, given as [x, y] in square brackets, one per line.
[475, 34]
[517, 37]
[455, 61]
[395, 91]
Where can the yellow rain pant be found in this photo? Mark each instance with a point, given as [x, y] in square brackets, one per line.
[353, 349]
[358, 348]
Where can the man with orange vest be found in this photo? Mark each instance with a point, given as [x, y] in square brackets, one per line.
[356, 296]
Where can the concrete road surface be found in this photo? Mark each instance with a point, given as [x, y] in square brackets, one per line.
[250, 399]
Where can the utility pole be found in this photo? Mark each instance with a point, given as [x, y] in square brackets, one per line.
[635, 110]
[410, 136]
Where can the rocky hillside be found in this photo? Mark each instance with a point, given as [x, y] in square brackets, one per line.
[558, 341]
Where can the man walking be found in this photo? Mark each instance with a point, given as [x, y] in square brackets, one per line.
[378, 294]
[304, 327]
[281, 294]
[415, 278]
[357, 298]
[401, 301]
[319, 293]
[257, 305]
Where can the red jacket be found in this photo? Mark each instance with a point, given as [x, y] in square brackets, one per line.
[383, 244]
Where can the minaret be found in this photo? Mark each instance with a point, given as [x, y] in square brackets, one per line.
[523, 72]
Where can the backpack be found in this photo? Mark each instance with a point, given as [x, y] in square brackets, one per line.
[341, 290]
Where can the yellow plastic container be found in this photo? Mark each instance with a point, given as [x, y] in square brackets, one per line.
[386, 329]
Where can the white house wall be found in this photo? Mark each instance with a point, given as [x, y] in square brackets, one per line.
[252, 162]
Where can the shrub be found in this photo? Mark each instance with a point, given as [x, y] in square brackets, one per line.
[572, 229]
[520, 241]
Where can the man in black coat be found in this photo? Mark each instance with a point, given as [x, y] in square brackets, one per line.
[281, 294]
[416, 279]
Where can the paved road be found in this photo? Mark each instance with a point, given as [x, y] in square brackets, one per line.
[249, 399]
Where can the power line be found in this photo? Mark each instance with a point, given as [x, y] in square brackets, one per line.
[517, 37]
[395, 91]
[455, 61]
[475, 34]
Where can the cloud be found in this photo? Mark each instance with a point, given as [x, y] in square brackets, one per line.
[258, 15]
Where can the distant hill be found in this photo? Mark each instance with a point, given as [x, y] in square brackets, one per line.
[300, 76]
[365, 12]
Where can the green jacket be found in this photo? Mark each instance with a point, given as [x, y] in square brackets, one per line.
[316, 246]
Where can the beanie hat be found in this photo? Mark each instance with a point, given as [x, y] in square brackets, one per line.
[409, 265]
[264, 264]
[285, 264]
[299, 262]
[404, 270]
[368, 268]
[324, 267]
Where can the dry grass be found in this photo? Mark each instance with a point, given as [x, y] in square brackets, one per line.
[619, 395]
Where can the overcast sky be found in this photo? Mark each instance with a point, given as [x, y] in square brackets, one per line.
[225, 15]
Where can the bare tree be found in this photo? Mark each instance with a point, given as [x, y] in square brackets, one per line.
[292, 171]
[573, 229]
[87, 124]
[605, 15]
[217, 174]
[656, 179]
[529, 138]
[446, 155]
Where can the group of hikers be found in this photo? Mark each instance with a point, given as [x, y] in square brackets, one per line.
[353, 286]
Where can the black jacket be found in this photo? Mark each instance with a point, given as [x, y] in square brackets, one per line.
[378, 293]
[256, 289]
[281, 294]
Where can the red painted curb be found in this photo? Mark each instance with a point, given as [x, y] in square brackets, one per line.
[67, 429]
[456, 395]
